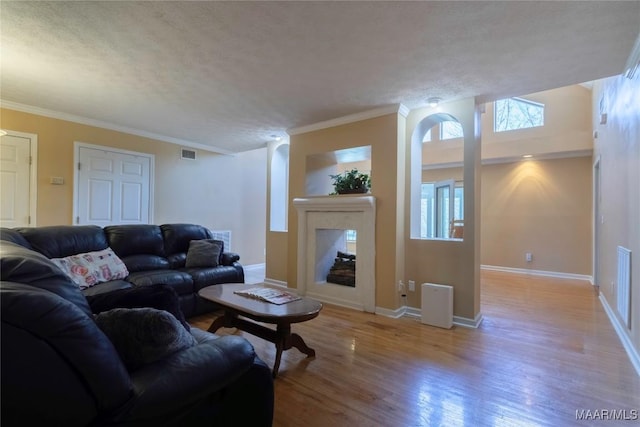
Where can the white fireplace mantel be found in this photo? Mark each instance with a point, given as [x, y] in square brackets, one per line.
[347, 212]
[333, 203]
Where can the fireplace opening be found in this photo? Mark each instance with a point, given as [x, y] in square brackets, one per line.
[336, 256]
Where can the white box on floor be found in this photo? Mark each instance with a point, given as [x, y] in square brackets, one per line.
[437, 305]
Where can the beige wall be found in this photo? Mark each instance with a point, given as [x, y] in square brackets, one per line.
[381, 133]
[537, 206]
[618, 150]
[217, 191]
[542, 207]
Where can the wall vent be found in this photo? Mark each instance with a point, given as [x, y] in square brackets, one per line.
[225, 236]
[188, 154]
[624, 285]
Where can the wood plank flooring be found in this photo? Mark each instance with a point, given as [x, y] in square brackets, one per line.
[545, 350]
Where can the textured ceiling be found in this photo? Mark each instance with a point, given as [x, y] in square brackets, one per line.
[231, 74]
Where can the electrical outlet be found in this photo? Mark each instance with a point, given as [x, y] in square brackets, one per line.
[528, 256]
[412, 286]
[401, 287]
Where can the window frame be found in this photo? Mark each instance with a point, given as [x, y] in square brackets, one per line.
[519, 100]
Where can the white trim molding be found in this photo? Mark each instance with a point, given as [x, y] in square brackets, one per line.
[106, 125]
[620, 329]
[544, 273]
[252, 267]
[415, 313]
[468, 323]
[394, 314]
[278, 283]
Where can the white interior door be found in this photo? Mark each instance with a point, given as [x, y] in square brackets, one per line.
[113, 187]
[16, 202]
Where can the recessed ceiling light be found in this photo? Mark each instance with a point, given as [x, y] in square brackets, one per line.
[527, 156]
[276, 137]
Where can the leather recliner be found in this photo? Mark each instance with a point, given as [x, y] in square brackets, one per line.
[59, 368]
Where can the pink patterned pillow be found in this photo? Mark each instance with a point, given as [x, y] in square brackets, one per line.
[91, 268]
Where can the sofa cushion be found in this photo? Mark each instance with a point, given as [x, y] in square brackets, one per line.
[180, 281]
[203, 277]
[57, 336]
[92, 268]
[106, 287]
[60, 241]
[145, 262]
[204, 253]
[11, 235]
[143, 335]
[135, 239]
[19, 264]
[159, 297]
[178, 236]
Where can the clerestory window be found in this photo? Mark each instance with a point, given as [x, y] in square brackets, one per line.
[517, 113]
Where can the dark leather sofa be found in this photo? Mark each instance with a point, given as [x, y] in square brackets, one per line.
[153, 254]
[59, 368]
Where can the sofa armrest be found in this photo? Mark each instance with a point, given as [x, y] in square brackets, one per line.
[228, 258]
[168, 388]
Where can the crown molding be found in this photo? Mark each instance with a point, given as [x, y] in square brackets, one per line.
[351, 118]
[106, 125]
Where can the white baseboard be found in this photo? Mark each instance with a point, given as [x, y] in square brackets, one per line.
[335, 301]
[416, 313]
[468, 323]
[387, 312]
[252, 267]
[275, 282]
[545, 273]
[622, 334]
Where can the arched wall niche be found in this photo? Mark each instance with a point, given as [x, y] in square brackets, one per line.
[279, 206]
[447, 157]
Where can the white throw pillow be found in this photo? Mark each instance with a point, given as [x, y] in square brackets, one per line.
[91, 268]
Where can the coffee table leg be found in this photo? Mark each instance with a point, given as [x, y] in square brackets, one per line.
[276, 364]
[298, 342]
[284, 340]
[226, 320]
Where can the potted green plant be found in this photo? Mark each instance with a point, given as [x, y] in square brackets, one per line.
[350, 182]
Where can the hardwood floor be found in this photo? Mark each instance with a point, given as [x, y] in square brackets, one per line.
[545, 350]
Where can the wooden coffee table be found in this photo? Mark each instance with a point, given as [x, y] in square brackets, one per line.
[237, 308]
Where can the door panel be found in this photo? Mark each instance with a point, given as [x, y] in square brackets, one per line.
[113, 187]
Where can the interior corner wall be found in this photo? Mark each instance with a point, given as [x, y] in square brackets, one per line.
[450, 262]
[617, 146]
[218, 191]
[381, 134]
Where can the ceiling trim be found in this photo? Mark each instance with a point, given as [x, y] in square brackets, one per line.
[351, 118]
[106, 125]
